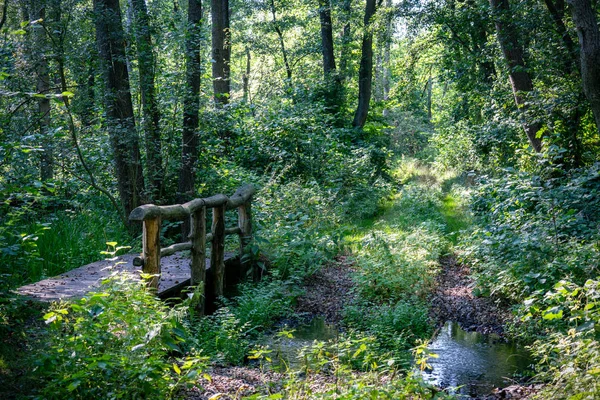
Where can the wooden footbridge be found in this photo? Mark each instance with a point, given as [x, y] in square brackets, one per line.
[170, 272]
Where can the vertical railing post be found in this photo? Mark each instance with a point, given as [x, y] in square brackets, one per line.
[217, 252]
[151, 250]
[245, 225]
[198, 239]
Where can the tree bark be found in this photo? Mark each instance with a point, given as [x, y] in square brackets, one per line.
[519, 77]
[246, 77]
[365, 75]
[4, 10]
[586, 23]
[221, 50]
[151, 113]
[117, 102]
[326, 38]
[288, 68]
[346, 39]
[191, 105]
[37, 11]
[331, 79]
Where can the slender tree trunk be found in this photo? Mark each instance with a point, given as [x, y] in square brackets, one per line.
[221, 50]
[246, 77]
[519, 77]
[346, 39]
[330, 76]
[387, 72]
[151, 113]
[37, 11]
[378, 70]
[429, 93]
[584, 16]
[326, 38]
[288, 68]
[4, 10]
[365, 75]
[117, 102]
[191, 105]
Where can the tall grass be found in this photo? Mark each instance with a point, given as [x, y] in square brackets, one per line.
[36, 247]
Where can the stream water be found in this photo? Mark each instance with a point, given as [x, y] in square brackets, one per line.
[472, 364]
[468, 364]
[286, 349]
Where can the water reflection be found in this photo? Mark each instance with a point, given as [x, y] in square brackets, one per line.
[473, 363]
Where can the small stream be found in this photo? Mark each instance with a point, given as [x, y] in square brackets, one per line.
[469, 364]
[472, 364]
[286, 349]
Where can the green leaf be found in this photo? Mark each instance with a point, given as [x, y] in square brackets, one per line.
[176, 369]
[552, 314]
[68, 95]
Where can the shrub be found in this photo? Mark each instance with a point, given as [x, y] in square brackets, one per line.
[119, 342]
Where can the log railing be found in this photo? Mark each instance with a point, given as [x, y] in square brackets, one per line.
[151, 216]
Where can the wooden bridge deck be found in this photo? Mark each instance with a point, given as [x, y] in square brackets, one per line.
[175, 274]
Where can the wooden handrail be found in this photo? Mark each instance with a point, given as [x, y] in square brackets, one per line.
[178, 212]
[152, 216]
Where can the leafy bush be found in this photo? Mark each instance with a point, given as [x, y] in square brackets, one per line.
[297, 226]
[534, 230]
[223, 336]
[570, 355]
[261, 305]
[120, 342]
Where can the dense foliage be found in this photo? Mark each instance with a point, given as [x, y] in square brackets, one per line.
[392, 132]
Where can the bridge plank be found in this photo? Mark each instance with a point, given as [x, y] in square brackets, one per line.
[76, 283]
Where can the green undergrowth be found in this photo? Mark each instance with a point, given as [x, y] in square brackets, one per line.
[535, 247]
[36, 243]
[398, 259]
[300, 226]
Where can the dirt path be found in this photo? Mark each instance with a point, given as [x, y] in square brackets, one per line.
[453, 300]
[329, 290]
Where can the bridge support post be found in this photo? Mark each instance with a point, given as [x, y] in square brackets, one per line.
[151, 250]
[217, 251]
[198, 238]
[245, 225]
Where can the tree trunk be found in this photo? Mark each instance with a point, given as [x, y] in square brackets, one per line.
[151, 113]
[326, 38]
[117, 102]
[221, 50]
[246, 77]
[288, 68]
[513, 54]
[346, 39]
[4, 10]
[365, 75]
[586, 23]
[37, 11]
[332, 80]
[387, 72]
[191, 105]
